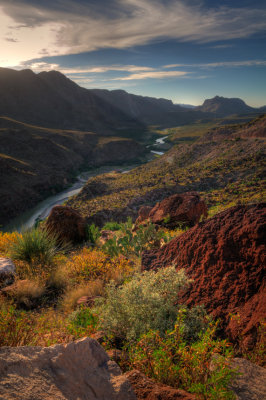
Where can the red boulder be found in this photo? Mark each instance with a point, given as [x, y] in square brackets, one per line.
[225, 256]
[177, 209]
[67, 224]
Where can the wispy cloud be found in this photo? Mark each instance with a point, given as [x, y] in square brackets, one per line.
[153, 75]
[229, 64]
[84, 26]
[97, 69]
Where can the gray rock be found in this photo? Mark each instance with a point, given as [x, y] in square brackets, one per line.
[76, 371]
[251, 383]
[7, 268]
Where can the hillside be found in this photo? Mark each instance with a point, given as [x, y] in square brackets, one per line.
[37, 161]
[226, 166]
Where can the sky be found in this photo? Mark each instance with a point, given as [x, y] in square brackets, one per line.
[183, 50]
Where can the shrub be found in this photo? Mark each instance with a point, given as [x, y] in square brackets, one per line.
[128, 242]
[93, 264]
[6, 240]
[143, 303]
[15, 327]
[201, 368]
[35, 247]
[112, 226]
[92, 233]
[82, 322]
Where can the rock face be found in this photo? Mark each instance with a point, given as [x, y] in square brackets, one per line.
[147, 389]
[67, 224]
[80, 370]
[225, 256]
[177, 209]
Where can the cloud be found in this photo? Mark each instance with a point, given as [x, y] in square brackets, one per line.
[228, 64]
[152, 74]
[44, 66]
[82, 26]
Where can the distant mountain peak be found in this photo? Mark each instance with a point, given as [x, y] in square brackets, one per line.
[225, 106]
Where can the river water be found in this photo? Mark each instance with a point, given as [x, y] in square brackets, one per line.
[42, 210]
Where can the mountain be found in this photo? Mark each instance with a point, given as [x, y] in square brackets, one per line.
[148, 110]
[225, 106]
[52, 100]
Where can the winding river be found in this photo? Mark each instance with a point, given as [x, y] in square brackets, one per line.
[42, 210]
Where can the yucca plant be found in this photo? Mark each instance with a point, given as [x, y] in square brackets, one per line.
[35, 247]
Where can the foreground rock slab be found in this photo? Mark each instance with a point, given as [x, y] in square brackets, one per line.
[76, 371]
[147, 389]
[251, 383]
[225, 256]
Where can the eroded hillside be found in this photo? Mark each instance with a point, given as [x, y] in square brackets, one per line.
[36, 161]
[226, 166]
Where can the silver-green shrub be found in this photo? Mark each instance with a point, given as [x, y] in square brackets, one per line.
[146, 302]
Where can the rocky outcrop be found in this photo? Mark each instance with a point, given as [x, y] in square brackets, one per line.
[147, 389]
[80, 370]
[177, 209]
[67, 224]
[225, 256]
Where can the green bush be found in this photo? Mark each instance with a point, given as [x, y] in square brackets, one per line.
[201, 368]
[35, 246]
[82, 321]
[92, 233]
[112, 226]
[128, 242]
[146, 302]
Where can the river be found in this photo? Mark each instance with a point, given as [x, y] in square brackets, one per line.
[42, 210]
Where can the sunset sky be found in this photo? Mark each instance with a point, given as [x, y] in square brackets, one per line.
[184, 50]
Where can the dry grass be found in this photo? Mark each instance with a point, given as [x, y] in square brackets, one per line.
[26, 292]
[72, 295]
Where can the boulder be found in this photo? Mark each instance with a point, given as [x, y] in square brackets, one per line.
[143, 214]
[147, 389]
[67, 224]
[226, 258]
[7, 268]
[186, 209]
[79, 370]
[7, 272]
